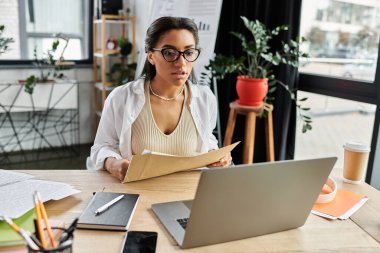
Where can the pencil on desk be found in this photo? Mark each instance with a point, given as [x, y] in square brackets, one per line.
[46, 220]
[39, 224]
[21, 232]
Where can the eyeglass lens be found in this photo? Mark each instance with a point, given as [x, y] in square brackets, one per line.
[171, 55]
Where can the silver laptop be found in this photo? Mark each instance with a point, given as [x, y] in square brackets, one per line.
[245, 201]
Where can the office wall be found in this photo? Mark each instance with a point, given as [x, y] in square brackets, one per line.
[142, 13]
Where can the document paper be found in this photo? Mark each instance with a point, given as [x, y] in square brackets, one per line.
[342, 206]
[154, 165]
[17, 191]
[10, 177]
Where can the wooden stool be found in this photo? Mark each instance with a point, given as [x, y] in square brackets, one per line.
[250, 125]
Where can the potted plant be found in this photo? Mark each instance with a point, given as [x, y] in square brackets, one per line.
[4, 41]
[47, 68]
[122, 71]
[256, 82]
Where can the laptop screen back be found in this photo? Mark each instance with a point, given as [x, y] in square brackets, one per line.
[251, 200]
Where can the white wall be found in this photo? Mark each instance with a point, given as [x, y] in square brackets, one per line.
[142, 13]
[86, 96]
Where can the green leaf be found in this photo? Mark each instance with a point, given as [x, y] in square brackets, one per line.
[258, 58]
[304, 128]
[274, 88]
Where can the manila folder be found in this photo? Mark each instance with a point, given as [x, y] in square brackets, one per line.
[154, 165]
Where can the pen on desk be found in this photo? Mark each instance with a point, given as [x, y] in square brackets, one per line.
[46, 220]
[108, 205]
[39, 224]
[21, 232]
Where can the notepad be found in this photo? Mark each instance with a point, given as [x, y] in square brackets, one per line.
[8, 237]
[342, 207]
[117, 217]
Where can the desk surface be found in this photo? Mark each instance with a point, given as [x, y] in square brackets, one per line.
[361, 233]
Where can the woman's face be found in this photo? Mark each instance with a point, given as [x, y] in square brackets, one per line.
[176, 72]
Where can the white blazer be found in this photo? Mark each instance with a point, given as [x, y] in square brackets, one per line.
[124, 104]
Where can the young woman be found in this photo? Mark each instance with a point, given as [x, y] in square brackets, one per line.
[163, 111]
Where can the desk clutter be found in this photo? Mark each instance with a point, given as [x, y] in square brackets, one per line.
[318, 235]
[34, 230]
[344, 204]
[23, 218]
[334, 203]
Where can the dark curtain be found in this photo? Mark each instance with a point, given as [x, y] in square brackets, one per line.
[272, 13]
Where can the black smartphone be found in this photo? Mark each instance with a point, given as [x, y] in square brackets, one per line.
[140, 242]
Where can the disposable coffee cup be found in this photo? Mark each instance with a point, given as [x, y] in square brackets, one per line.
[355, 161]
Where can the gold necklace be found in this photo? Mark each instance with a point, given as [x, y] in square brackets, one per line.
[165, 98]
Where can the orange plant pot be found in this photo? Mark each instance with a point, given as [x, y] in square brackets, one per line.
[251, 91]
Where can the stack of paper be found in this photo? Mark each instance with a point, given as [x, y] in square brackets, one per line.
[16, 191]
[342, 206]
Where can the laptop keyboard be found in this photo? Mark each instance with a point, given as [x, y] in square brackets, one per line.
[183, 222]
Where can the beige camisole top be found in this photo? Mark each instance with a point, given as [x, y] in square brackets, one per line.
[183, 141]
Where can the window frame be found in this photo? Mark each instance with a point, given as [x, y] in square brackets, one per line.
[361, 91]
[88, 10]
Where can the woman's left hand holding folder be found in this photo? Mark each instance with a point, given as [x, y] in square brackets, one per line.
[224, 162]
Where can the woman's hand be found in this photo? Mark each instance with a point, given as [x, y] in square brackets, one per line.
[224, 162]
[117, 167]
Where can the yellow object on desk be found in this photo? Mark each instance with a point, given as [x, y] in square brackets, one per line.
[46, 220]
[39, 223]
[8, 237]
[342, 206]
[154, 165]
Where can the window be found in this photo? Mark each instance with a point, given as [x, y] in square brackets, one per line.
[344, 64]
[342, 36]
[35, 24]
[335, 121]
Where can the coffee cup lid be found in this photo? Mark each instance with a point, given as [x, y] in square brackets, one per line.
[356, 146]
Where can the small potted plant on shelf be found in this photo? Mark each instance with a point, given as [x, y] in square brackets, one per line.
[256, 82]
[122, 71]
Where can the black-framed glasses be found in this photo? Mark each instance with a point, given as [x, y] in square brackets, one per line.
[172, 55]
